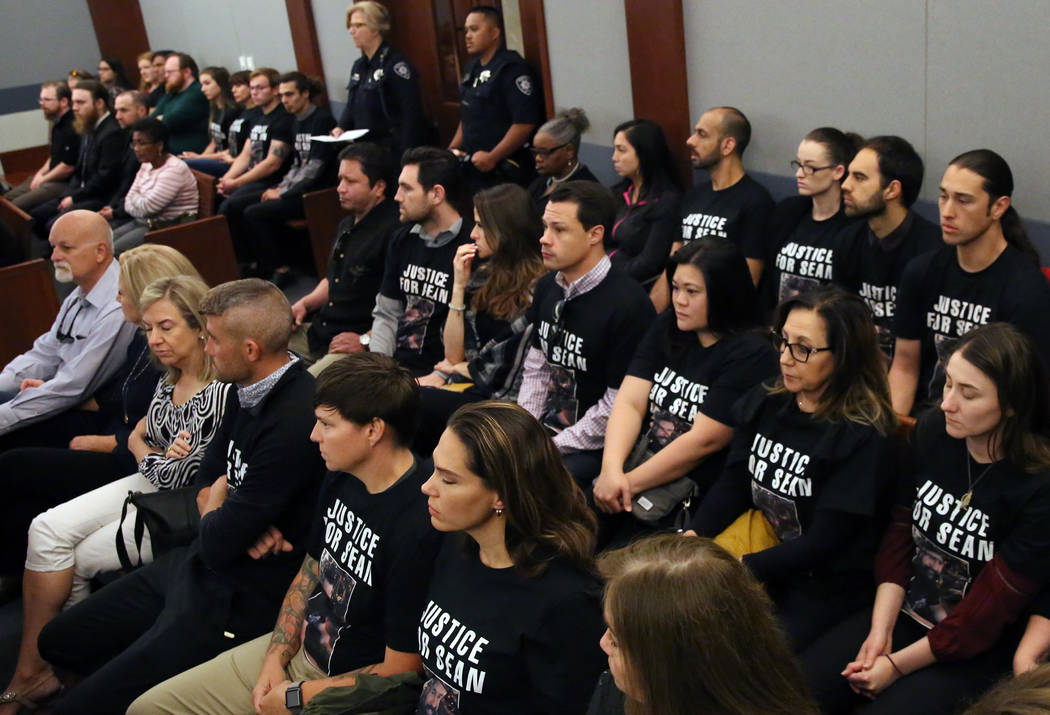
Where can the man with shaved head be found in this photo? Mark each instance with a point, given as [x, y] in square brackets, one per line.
[89, 337]
[259, 480]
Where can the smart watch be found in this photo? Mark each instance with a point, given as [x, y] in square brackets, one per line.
[293, 697]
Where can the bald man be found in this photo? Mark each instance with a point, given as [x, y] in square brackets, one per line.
[262, 477]
[88, 340]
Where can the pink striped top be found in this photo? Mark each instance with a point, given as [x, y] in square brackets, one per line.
[165, 192]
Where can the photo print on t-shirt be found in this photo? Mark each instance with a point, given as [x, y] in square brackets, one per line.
[438, 698]
[412, 327]
[560, 410]
[938, 583]
[326, 611]
[664, 427]
[791, 285]
[780, 512]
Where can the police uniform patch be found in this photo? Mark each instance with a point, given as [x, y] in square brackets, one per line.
[401, 70]
[524, 85]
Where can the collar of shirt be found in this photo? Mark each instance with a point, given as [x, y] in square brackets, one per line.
[310, 109]
[101, 119]
[587, 281]
[104, 292]
[251, 395]
[442, 238]
[891, 240]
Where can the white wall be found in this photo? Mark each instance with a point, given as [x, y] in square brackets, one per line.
[587, 48]
[218, 32]
[948, 75]
[337, 49]
[45, 39]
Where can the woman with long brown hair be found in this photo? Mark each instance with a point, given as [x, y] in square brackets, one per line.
[967, 547]
[812, 453]
[528, 551]
[709, 643]
[486, 333]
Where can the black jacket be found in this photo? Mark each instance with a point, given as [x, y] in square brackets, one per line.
[97, 173]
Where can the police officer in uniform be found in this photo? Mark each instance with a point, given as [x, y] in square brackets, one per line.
[500, 106]
[383, 93]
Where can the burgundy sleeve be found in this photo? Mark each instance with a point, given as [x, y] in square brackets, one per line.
[997, 597]
[893, 562]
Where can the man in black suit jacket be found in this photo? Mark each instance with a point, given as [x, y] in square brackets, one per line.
[97, 173]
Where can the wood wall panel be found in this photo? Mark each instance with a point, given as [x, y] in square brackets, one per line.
[121, 33]
[660, 90]
[534, 35]
[304, 42]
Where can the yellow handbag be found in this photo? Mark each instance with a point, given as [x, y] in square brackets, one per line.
[750, 533]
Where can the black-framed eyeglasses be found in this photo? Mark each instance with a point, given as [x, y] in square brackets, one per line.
[808, 170]
[66, 335]
[799, 352]
[537, 151]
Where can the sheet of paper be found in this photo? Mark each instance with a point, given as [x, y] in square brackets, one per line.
[346, 137]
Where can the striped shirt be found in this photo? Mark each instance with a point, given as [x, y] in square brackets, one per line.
[165, 192]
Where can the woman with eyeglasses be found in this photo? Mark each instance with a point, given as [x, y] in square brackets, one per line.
[673, 413]
[968, 545]
[555, 149]
[802, 229]
[72, 542]
[647, 220]
[812, 452]
[486, 333]
[513, 617]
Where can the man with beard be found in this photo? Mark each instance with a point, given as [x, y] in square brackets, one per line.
[416, 289]
[89, 338]
[97, 172]
[733, 205]
[128, 107]
[883, 182]
[50, 180]
[183, 107]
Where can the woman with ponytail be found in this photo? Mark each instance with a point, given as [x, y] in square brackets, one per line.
[987, 271]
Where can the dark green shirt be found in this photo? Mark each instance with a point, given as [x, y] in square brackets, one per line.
[186, 115]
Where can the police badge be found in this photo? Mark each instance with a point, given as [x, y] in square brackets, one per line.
[524, 85]
[401, 70]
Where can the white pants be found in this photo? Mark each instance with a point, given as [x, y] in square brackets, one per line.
[82, 534]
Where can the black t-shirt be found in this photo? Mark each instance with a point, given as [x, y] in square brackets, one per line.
[589, 348]
[872, 267]
[495, 96]
[219, 126]
[421, 277]
[1008, 516]
[738, 213]
[692, 380]
[543, 659]
[263, 128]
[938, 302]
[65, 142]
[803, 260]
[790, 466]
[239, 130]
[355, 269]
[375, 553]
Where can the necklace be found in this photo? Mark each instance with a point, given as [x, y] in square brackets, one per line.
[555, 180]
[965, 500]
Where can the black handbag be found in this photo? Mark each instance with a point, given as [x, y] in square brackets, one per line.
[171, 515]
[653, 506]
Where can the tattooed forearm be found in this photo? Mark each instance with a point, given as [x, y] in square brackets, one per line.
[286, 634]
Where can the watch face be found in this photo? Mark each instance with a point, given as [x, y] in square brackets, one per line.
[293, 697]
[365, 339]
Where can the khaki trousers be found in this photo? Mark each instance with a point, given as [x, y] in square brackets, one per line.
[222, 685]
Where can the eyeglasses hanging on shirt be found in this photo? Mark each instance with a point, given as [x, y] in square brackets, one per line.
[65, 335]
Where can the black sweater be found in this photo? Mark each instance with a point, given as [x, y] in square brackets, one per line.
[274, 474]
